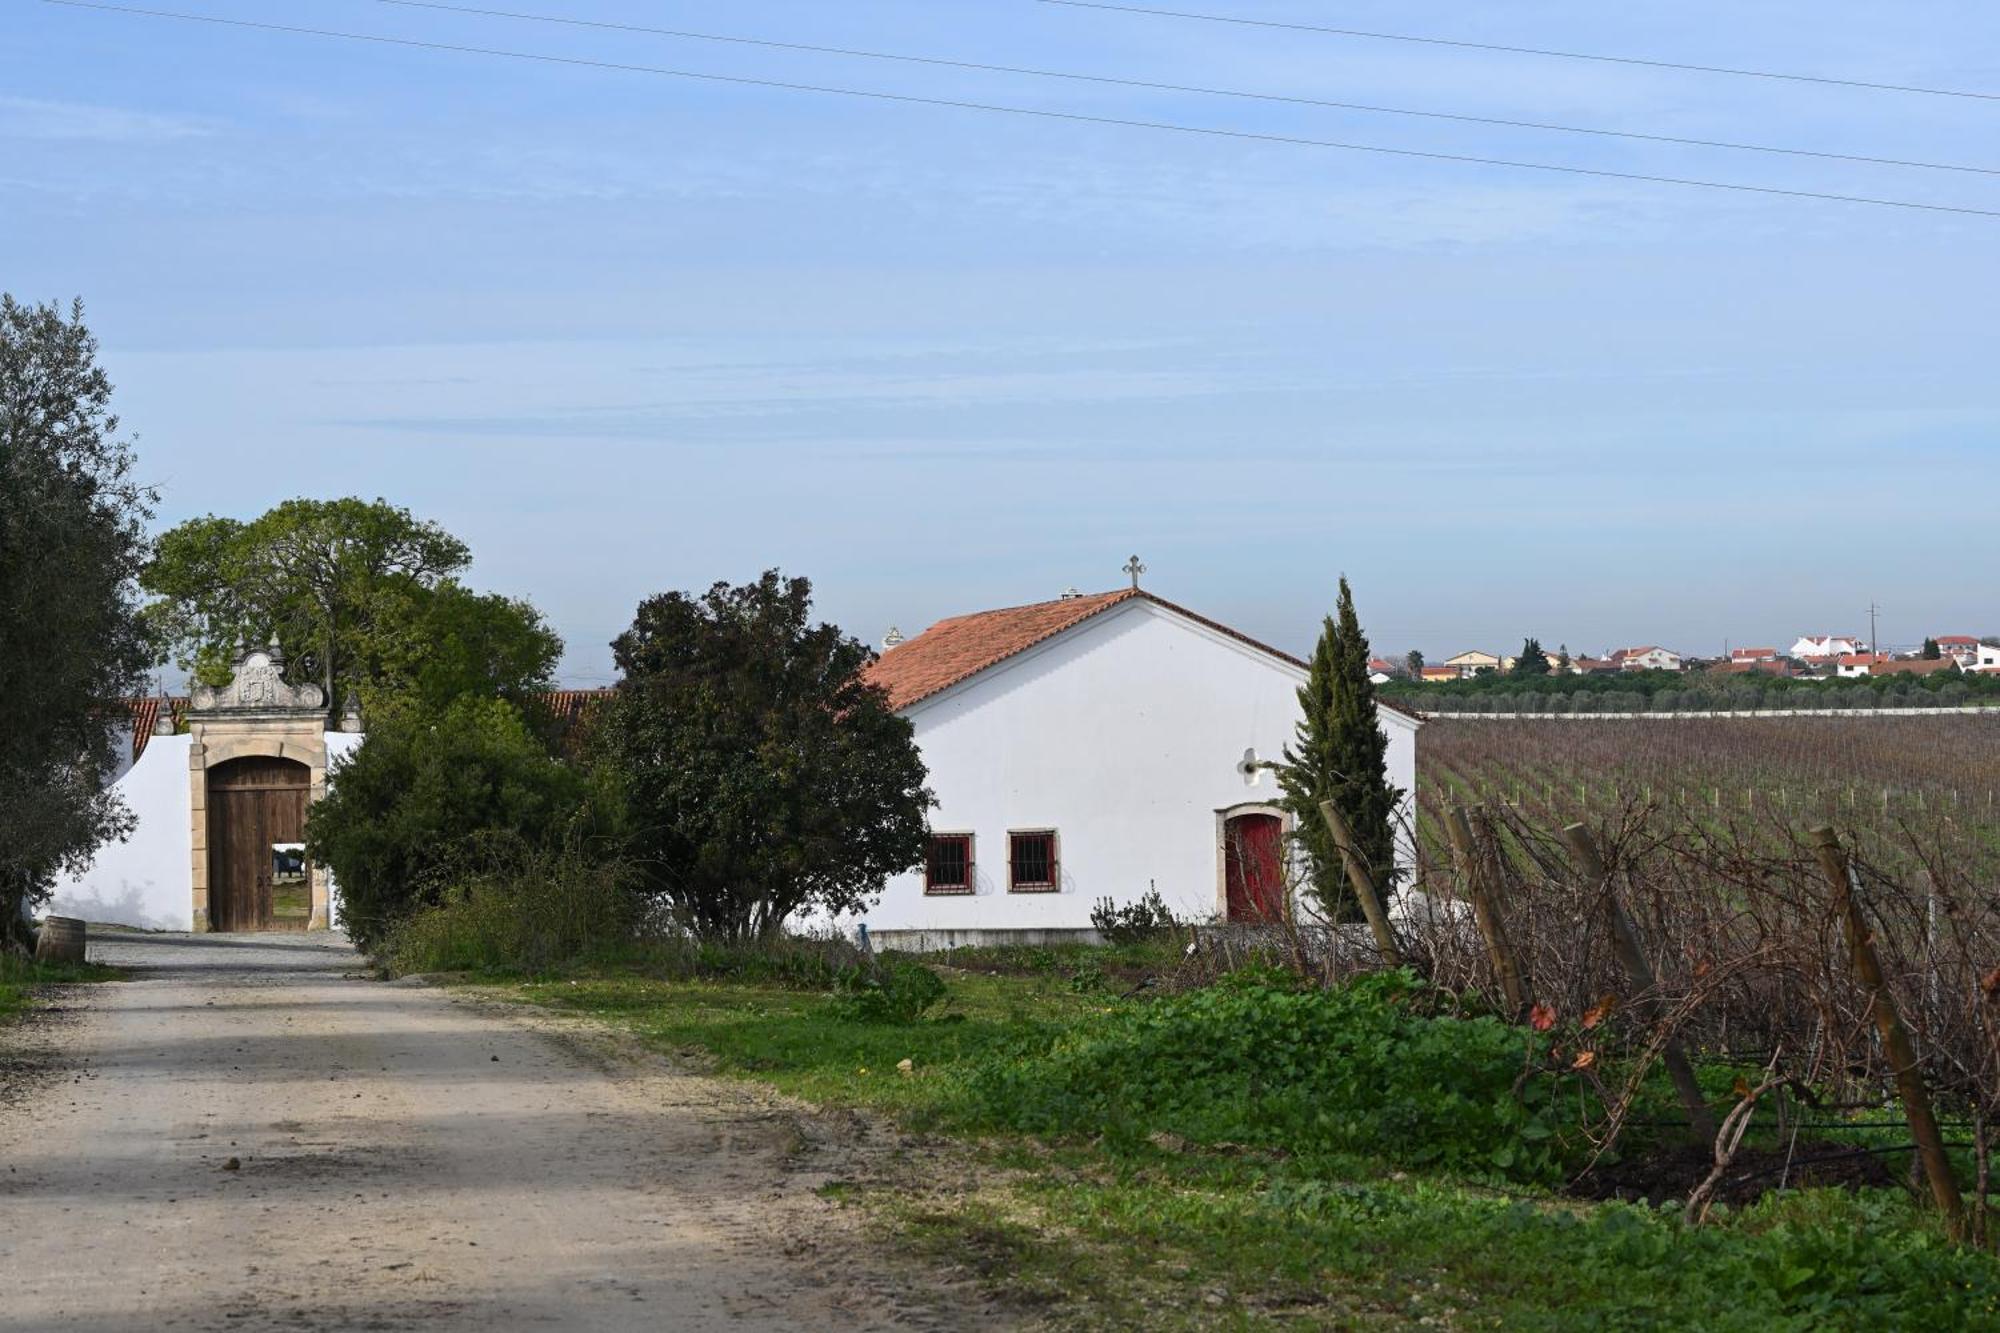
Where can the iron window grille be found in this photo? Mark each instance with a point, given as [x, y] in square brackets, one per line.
[1031, 862]
[948, 866]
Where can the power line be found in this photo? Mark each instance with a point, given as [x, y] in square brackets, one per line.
[1074, 117]
[1530, 50]
[1202, 90]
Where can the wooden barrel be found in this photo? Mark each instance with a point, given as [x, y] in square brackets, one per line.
[61, 941]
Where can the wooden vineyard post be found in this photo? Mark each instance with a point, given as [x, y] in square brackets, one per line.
[1486, 912]
[1364, 885]
[1895, 1042]
[1639, 975]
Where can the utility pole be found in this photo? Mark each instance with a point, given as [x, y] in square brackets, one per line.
[1874, 643]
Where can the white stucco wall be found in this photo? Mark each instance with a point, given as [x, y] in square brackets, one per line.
[1125, 735]
[339, 745]
[144, 880]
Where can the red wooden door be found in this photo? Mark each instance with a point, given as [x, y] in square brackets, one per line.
[1253, 867]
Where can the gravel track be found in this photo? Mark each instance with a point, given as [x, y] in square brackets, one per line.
[403, 1158]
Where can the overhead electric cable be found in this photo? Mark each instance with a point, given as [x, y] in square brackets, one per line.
[1202, 90]
[1073, 117]
[1530, 50]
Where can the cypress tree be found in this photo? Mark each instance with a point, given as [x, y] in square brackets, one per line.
[1341, 754]
[1532, 661]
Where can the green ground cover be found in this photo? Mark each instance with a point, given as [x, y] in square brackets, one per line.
[1250, 1155]
[19, 979]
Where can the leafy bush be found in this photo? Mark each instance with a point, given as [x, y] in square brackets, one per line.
[527, 909]
[1135, 923]
[1356, 1070]
[897, 991]
[418, 805]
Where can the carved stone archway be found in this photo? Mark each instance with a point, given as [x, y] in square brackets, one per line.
[256, 714]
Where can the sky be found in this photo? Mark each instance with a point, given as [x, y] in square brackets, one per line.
[625, 332]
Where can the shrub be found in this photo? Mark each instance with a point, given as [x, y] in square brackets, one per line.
[526, 909]
[1135, 923]
[1355, 1070]
[418, 805]
[898, 991]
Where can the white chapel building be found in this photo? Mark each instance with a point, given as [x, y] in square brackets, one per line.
[1095, 747]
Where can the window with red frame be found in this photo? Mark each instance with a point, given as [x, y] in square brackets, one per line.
[948, 868]
[1031, 862]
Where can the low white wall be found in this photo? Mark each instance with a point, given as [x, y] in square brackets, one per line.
[146, 879]
[339, 745]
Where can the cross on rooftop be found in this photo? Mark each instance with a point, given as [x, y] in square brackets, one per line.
[1135, 569]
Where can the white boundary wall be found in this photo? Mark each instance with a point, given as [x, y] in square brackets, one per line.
[147, 880]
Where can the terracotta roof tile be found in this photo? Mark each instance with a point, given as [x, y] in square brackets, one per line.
[960, 648]
[963, 646]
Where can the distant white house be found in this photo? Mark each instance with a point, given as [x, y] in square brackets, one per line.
[1986, 658]
[1095, 747]
[1824, 647]
[1753, 654]
[1961, 648]
[1647, 657]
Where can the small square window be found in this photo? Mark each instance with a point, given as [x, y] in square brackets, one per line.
[1031, 862]
[948, 868]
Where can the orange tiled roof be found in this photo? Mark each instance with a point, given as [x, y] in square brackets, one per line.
[960, 648]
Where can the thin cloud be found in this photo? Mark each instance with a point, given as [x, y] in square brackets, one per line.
[34, 118]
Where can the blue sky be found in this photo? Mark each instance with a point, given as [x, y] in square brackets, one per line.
[625, 332]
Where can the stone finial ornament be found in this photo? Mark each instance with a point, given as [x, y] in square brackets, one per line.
[259, 685]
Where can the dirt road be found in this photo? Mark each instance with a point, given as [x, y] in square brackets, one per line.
[249, 1134]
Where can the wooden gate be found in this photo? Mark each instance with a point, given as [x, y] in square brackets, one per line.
[257, 880]
[1253, 867]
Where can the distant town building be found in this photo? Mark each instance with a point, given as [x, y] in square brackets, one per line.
[1647, 657]
[1753, 654]
[1882, 664]
[1961, 648]
[1470, 664]
[1824, 647]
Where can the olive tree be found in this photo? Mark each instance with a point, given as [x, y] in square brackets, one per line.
[72, 538]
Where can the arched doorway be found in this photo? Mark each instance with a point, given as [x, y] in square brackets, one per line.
[257, 875]
[1253, 867]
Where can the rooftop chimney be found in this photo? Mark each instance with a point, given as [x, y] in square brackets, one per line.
[892, 638]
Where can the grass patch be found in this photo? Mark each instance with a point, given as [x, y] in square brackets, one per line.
[19, 978]
[1251, 1156]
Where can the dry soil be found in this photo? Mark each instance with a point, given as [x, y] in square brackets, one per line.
[250, 1133]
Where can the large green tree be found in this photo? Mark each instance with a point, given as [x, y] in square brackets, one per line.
[763, 775]
[1341, 754]
[72, 538]
[1532, 661]
[361, 594]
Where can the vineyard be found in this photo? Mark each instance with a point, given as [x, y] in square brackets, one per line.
[1885, 782]
[1803, 909]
